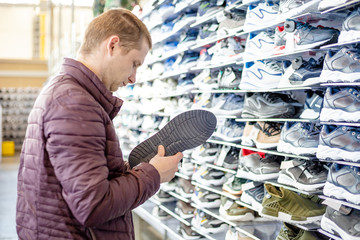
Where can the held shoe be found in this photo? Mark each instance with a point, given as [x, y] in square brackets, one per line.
[345, 225]
[343, 182]
[285, 205]
[187, 130]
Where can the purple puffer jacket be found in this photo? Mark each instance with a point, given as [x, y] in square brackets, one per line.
[73, 182]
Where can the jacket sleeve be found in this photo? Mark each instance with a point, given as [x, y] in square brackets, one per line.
[75, 129]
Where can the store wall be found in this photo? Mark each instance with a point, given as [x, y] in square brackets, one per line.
[16, 27]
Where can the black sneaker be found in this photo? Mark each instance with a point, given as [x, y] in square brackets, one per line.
[187, 130]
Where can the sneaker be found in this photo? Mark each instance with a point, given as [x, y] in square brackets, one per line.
[185, 84]
[207, 7]
[257, 166]
[206, 153]
[327, 4]
[279, 40]
[193, 129]
[299, 138]
[350, 29]
[207, 79]
[228, 49]
[184, 210]
[160, 213]
[292, 8]
[341, 66]
[232, 211]
[304, 175]
[227, 104]
[285, 205]
[229, 77]
[313, 104]
[254, 196]
[259, 45]
[267, 105]
[231, 160]
[339, 143]
[209, 177]
[204, 59]
[187, 233]
[289, 231]
[264, 74]
[189, 60]
[308, 73]
[341, 104]
[343, 182]
[185, 188]
[233, 185]
[188, 38]
[186, 167]
[233, 21]
[266, 135]
[169, 186]
[163, 197]
[207, 223]
[231, 131]
[259, 15]
[206, 199]
[306, 36]
[207, 31]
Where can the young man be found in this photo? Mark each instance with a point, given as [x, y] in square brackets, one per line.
[73, 182]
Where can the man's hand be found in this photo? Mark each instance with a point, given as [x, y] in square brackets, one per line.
[166, 166]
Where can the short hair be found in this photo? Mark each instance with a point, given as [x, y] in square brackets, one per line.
[120, 22]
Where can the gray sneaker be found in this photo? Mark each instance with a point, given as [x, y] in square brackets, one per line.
[304, 175]
[341, 104]
[234, 20]
[343, 182]
[347, 226]
[306, 36]
[307, 73]
[313, 104]
[339, 143]
[351, 27]
[341, 66]
[254, 196]
[257, 166]
[291, 8]
[299, 138]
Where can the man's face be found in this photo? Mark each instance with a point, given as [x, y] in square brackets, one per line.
[123, 65]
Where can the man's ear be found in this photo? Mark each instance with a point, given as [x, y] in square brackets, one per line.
[112, 44]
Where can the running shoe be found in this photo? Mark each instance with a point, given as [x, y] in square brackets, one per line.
[233, 21]
[260, 15]
[232, 211]
[227, 104]
[288, 206]
[231, 131]
[233, 186]
[279, 40]
[328, 4]
[231, 160]
[262, 74]
[185, 188]
[206, 153]
[350, 27]
[308, 73]
[229, 77]
[343, 182]
[188, 37]
[259, 45]
[208, 7]
[341, 66]
[292, 8]
[164, 197]
[299, 138]
[207, 223]
[304, 175]
[207, 79]
[306, 36]
[289, 231]
[254, 196]
[341, 104]
[258, 166]
[185, 210]
[209, 176]
[205, 198]
[228, 49]
[339, 143]
[313, 104]
[344, 225]
[207, 31]
[187, 233]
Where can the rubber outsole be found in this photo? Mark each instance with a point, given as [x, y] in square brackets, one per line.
[187, 130]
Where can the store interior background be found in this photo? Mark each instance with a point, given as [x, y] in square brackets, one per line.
[35, 35]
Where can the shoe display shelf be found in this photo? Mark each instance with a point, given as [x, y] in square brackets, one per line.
[168, 228]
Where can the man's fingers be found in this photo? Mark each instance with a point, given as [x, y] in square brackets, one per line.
[161, 151]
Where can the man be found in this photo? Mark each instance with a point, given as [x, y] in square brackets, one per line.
[73, 182]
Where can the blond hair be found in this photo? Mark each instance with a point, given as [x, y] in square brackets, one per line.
[120, 22]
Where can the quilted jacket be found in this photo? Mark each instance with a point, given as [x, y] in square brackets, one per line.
[73, 182]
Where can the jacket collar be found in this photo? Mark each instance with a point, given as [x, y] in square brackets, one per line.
[89, 81]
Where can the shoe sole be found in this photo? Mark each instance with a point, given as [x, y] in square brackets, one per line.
[329, 114]
[286, 180]
[338, 76]
[187, 130]
[333, 228]
[332, 153]
[332, 190]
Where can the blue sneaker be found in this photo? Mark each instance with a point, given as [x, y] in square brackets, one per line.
[351, 28]
[188, 37]
[208, 30]
[230, 104]
[231, 131]
[343, 182]
[264, 74]
[308, 73]
[189, 60]
[341, 104]
[313, 104]
[306, 36]
[339, 143]
[170, 45]
[185, 83]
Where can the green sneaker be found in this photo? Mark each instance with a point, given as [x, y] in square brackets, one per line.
[232, 211]
[287, 206]
[290, 232]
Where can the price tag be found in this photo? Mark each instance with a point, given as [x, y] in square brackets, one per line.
[224, 151]
[247, 186]
[286, 164]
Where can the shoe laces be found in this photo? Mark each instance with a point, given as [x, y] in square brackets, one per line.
[352, 131]
[311, 129]
[312, 167]
[270, 128]
[271, 97]
[272, 65]
[304, 26]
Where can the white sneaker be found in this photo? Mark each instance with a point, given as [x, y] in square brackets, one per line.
[261, 15]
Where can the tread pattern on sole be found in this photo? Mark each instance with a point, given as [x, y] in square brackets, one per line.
[187, 130]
